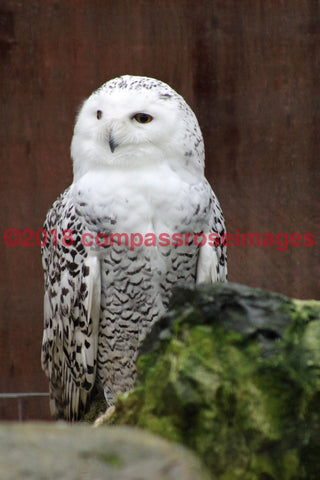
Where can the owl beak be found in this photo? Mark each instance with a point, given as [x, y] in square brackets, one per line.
[112, 143]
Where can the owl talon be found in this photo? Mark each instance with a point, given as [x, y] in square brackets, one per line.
[104, 417]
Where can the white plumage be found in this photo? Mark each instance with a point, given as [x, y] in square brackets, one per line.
[138, 161]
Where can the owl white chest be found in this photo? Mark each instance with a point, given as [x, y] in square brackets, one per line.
[141, 200]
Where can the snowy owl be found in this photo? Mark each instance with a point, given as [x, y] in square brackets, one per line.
[138, 218]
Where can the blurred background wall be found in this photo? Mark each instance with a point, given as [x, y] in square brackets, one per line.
[249, 69]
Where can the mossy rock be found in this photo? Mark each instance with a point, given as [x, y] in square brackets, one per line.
[234, 373]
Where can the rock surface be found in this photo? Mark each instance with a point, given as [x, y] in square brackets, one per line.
[234, 373]
[58, 451]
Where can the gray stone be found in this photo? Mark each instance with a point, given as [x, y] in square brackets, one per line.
[58, 451]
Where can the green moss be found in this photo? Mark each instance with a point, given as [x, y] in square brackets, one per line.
[236, 378]
[110, 459]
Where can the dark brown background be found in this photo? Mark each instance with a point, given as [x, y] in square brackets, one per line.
[249, 69]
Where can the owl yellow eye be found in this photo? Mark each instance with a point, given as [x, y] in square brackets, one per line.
[143, 117]
[99, 114]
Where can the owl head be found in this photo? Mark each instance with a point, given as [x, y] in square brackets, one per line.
[134, 121]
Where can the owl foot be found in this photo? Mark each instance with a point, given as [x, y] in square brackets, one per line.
[104, 417]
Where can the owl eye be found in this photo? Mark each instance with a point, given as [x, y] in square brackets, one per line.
[143, 117]
[99, 114]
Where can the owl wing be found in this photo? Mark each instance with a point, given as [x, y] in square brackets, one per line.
[212, 259]
[71, 311]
